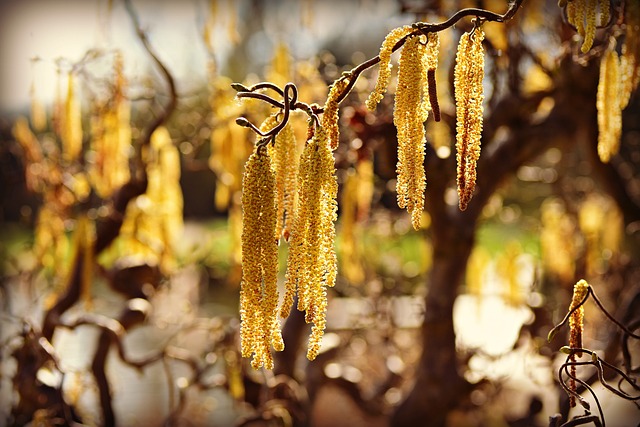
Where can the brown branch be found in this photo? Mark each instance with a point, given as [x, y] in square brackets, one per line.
[352, 75]
[161, 118]
[112, 332]
[109, 229]
[425, 28]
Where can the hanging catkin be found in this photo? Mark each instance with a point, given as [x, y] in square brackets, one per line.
[259, 328]
[408, 115]
[384, 73]
[609, 106]
[312, 263]
[469, 95]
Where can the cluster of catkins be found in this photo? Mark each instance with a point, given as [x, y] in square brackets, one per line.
[294, 198]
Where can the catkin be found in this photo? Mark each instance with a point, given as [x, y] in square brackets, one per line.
[72, 125]
[576, 321]
[609, 106]
[330, 114]
[111, 137]
[469, 95]
[407, 117]
[259, 328]
[605, 11]
[312, 263]
[384, 73]
[576, 325]
[582, 15]
[590, 27]
[284, 163]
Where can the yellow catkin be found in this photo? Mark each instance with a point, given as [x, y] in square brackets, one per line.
[230, 144]
[582, 15]
[279, 72]
[72, 127]
[34, 175]
[366, 187]
[576, 9]
[408, 116]
[350, 252]
[630, 58]
[609, 106]
[312, 263]
[165, 194]
[576, 326]
[557, 241]
[590, 27]
[232, 22]
[330, 114]
[605, 11]
[259, 295]
[469, 95]
[82, 246]
[154, 223]
[284, 162]
[384, 73]
[111, 138]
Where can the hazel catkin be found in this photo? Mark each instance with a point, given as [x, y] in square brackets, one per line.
[469, 96]
[259, 328]
[609, 106]
[312, 263]
[630, 55]
[284, 163]
[384, 73]
[576, 326]
[408, 115]
[330, 115]
[582, 15]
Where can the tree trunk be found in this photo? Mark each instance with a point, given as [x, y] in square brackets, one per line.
[439, 385]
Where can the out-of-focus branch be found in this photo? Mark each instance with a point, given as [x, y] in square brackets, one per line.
[163, 115]
[107, 231]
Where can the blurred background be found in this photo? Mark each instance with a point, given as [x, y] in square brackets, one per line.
[448, 323]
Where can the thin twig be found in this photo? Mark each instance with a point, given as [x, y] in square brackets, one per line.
[565, 368]
[613, 319]
[554, 331]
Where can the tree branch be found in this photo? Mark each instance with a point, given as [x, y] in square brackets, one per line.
[425, 28]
